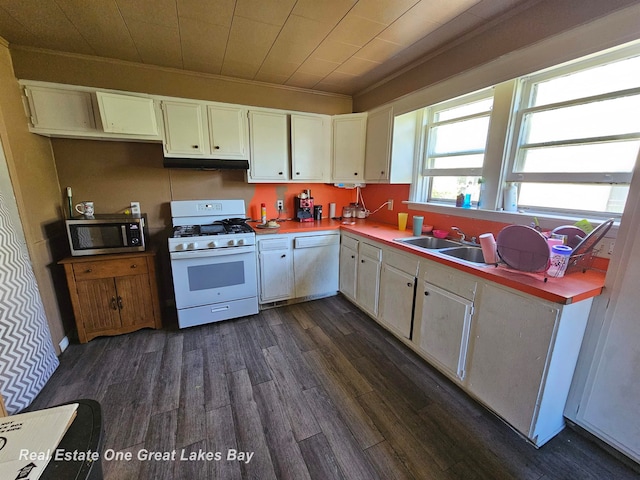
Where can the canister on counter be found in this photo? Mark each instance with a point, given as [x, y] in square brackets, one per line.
[317, 212]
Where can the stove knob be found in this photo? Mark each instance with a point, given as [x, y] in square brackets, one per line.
[231, 243]
[213, 244]
[181, 246]
[193, 246]
[241, 241]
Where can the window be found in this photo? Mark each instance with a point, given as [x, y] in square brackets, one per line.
[454, 138]
[578, 135]
[569, 137]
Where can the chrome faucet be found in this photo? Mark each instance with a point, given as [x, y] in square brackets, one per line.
[463, 237]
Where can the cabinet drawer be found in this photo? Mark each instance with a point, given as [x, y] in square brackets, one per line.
[316, 241]
[370, 251]
[449, 279]
[350, 242]
[110, 268]
[401, 262]
[273, 244]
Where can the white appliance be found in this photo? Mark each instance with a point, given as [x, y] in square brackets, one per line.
[213, 261]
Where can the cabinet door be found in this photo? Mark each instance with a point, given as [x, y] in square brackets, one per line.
[442, 324]
[60, 110]
[127, 114]
[228, 132]
[276, 275]
[511, 340]
[98, 302]
[134, 301]
[309, 149]
[315, 265]
[378, 146]
[183, 127]
[396, 299]
[349, 134]
[368, 284]
[348, 268]
[269, 140]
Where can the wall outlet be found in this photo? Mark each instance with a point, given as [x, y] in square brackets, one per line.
[280, 205]
[135, 208]
[390, 205]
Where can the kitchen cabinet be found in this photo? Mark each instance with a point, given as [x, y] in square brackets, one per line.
[397, 290]
[378, 145]
[348, 266]
[522, 358]
[315, 264]
[269, 140]
[204, 130]
[368, 278]
[298, 265]
[349, 136]
[113, 294]
[127, 114]
[275, 257]
[443, 313]
[310, 154]
[80, 112]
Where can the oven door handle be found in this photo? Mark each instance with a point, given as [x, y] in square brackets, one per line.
[213, 252]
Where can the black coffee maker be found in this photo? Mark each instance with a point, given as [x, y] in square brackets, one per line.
[303, 207]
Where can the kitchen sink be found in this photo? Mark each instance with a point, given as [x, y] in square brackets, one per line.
[468, 254]
[431, 243]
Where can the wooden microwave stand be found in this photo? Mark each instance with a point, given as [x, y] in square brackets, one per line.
[113, 294]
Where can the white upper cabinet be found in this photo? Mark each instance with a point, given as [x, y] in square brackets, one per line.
[378, 146]
[80, 112]
[228, 132]
[204, 130]
[310, 140]
[184, 129]
[349, 135]
[127, 114]
[269, 139]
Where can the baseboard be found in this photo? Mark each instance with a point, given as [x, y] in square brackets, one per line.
[64, 343]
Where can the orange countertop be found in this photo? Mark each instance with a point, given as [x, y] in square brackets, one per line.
[571, 288]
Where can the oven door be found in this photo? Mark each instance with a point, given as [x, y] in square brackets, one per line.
[204, 277]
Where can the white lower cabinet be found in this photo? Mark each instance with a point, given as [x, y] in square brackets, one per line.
[296, 266]
[513, 352]
[368, 278]
[275, 257]
[522, 358]
[397, 290]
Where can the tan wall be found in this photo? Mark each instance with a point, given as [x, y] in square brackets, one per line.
[34, 179]
[49, 66]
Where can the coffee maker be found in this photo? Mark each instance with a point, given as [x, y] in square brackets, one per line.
[303, 207]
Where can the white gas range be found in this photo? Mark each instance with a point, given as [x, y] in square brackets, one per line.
[213, 261]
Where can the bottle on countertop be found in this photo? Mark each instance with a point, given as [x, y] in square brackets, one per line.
[263, 214]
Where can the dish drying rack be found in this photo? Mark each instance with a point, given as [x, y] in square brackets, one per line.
[582, 261]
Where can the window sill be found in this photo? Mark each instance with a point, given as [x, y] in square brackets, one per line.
[547, 221]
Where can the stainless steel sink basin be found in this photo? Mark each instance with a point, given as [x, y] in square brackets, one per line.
[430, 243]
[468, 254]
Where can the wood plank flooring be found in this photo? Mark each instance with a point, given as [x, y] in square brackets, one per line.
[314, 391]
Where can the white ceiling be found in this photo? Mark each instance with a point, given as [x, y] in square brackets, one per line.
[340, 46]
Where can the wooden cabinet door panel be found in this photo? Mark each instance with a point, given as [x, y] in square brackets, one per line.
[396, 299]
[276, 275]
[134, 300]
[368, 284]
[348, 268]
[98, 304]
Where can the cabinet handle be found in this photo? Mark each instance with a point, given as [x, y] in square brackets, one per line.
[194, 146]
[88, 270]
[119, 302]
[361, 261]
[353, 256]
[355, 173]
[134, 265]
[217, 147]
[279, 173]
[283, 255]
[114, 306]
[426, 294]
[409, 284]
[297, 173]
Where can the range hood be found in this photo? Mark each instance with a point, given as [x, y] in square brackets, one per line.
[206, 163]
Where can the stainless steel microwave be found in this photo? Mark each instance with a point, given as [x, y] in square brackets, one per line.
[107, 234]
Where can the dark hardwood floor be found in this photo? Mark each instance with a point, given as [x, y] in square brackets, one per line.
[312, 391]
